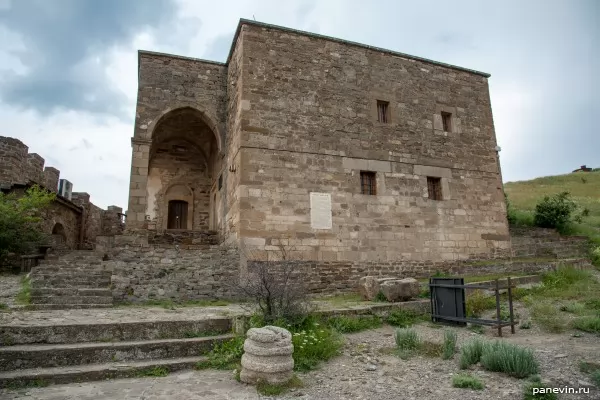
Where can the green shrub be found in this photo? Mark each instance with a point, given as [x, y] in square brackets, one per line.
[345, 324]
[152, 372]
[525, 324]
[592, 369]
[380, 297]
[557, 211]
[24, 295]
[588, 324]
[314, 342]
[403, 318]
[573, 307]
[466, 381]
[224, 355]
[593, 304]
[528, 392]
[548, 317]
[470, 353]
[478, 302]
[407, 339]
[595, 256]
[449, 347]
[564, 277]
[508, 358]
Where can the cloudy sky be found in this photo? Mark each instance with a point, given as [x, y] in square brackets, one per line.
[68, 69]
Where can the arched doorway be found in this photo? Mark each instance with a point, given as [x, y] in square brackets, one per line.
[59, 236]
[183, 165]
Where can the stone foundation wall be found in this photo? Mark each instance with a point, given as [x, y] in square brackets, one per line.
[540, 242]
[142, 271]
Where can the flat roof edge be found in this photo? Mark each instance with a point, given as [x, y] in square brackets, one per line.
[155, 53]
[348, 42]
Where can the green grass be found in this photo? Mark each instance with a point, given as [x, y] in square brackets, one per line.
[449, 346]
[478, 302]
[226, 355]
[583, 187]
[499, 356]
[467, 381]
[3, 306]
[344, 324]
[380, 298]
[592, 369]
[37, 383]
[341, 299]
[152, 372]
[404, 318]
[588, 324]
[314, 342]
[267, 389]
[24, 295]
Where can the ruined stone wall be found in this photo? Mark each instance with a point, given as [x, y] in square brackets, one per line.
[309, 123]
[143, 271]
[13, 161]
[541, 242]
[168, 83]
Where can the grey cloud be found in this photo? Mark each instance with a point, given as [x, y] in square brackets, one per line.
[218, 49]
[59, 37]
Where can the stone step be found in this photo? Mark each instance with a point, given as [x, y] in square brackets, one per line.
[71, 283]
[63, 355]
[52, 270]
[65, 306]
[84, 275]
[70, 291]
[71, 299]
[93, 372]
[62, 262]
[113, 331]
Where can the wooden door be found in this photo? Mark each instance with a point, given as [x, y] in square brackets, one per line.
[177, 214]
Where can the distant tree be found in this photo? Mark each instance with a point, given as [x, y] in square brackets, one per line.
[21, 218]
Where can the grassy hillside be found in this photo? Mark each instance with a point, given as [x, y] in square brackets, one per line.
[583, 186]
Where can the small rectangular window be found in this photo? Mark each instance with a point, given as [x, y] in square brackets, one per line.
[434, 188]
[220, 181]
[447, 121]
[383, 108]
[368, 183]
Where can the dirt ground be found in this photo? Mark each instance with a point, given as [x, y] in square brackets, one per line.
[363, 372]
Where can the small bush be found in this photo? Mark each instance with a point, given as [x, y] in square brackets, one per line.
[593, 304]
[558, 211]
[407, 339]
[528, 392]
[525, 324]
[508, 358]
[478, 302]
[595, 256]
[402, 318]
[466, 381]
[152, 372]
[345, 324]
[313, 342]
[588, 324]
[430, 349]
[471, 353]
[449, 347]
[225, 355]
[573, 307]
[380, 297]
[24, 295]
[592, 369]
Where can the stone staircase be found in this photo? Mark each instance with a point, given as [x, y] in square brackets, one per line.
[73, 280]
[66, 353]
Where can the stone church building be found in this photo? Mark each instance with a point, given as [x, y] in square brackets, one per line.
[337, 150]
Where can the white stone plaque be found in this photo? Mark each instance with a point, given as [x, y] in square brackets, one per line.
[320, 210]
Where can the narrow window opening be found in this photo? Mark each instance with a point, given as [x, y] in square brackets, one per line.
[220, 182]
[447, 121]
[383, 108]
[434, 188]
[368, 183]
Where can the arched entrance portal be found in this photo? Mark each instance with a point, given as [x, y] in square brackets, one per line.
[182, 169]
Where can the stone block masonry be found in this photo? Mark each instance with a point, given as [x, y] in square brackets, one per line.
[292, 113]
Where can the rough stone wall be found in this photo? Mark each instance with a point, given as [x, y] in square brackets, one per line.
[309, 124]
[143, 271]
[112, 223]
[540, 242]
[13, 159]
[339, 277]
[51, 176]
[167, 83]
[69, 219]
[35, 168]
